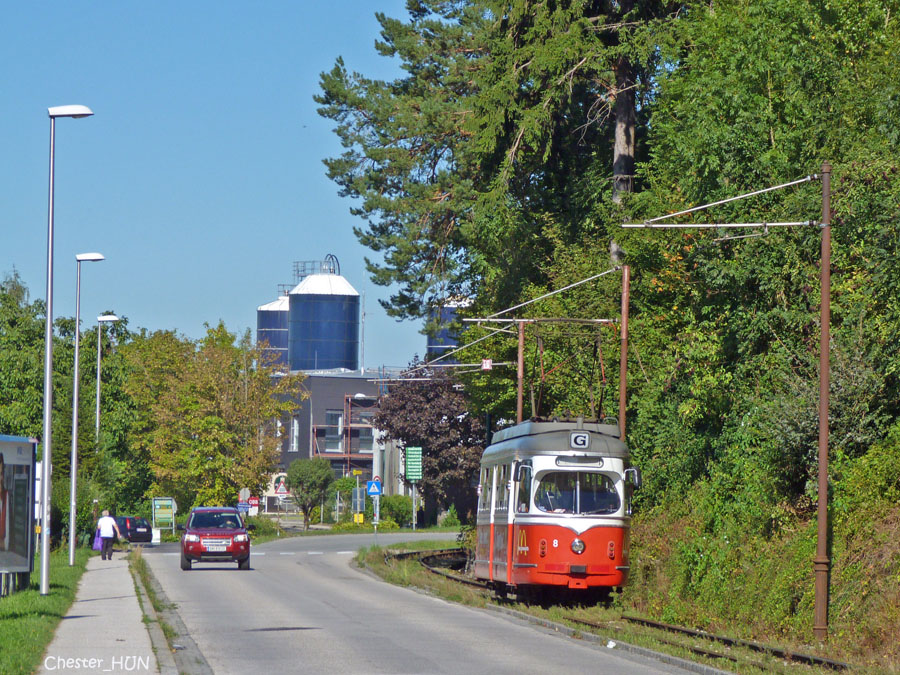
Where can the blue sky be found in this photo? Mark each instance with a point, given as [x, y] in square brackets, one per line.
[200, 175]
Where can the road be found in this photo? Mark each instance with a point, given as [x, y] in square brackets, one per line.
[302, 608]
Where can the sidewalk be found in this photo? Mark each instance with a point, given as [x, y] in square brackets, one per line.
[104, 630]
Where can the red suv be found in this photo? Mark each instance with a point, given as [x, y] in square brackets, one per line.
[215, 534]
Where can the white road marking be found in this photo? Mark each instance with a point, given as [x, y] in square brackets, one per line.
[346, 552]
[314, 553]
[286, 553]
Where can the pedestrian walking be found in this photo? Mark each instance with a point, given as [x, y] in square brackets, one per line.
[109, 531]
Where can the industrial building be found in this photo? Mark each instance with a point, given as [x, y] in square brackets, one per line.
[314, 328]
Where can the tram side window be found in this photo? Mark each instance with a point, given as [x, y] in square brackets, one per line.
[503, 487]
[523, 498]
[484, 503]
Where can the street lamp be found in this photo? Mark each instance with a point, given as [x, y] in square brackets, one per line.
[75, 111]
[80, 258]
[106, 318]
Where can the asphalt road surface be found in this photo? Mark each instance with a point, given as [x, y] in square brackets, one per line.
[303, 608]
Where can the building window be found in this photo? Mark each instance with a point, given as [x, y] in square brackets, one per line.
[334, 427]
[366, 432]
[295, 435]
[278, 426]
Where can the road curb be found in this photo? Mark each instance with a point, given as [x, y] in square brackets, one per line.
[164, 658]
[187, 659]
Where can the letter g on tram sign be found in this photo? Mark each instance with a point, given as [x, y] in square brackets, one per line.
[579, 440]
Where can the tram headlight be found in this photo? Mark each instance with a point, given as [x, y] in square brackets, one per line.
[578, 546]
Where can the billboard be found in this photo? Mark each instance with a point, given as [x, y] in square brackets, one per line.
[16, 503]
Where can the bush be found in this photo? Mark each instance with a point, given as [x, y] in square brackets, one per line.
[397, 508]
[387, 524]
[450, 519]
[264, 526]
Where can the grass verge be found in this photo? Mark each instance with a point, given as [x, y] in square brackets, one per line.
[612, 627]
[28, 619]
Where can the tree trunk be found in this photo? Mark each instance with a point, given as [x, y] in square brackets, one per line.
[623, 149]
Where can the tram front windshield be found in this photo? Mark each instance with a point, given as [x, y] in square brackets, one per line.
[576, 492]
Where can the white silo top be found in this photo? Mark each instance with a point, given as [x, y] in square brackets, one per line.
[324, 284]
[282, 304]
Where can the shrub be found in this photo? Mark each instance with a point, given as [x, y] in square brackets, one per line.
[397, 508]
[450, 519]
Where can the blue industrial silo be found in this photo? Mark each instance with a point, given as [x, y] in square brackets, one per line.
[272, 327]
[323, 327]
[445, 337]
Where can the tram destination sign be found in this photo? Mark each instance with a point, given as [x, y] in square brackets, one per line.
[413, 463]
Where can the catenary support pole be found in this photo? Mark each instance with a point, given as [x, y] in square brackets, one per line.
[520, 374]
[822, 563]
[623, 349]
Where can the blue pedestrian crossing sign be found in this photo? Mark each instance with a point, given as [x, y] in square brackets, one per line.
[373, 488]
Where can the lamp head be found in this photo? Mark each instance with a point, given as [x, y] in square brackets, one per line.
[75, 111]
[108, 317]
[89, 257]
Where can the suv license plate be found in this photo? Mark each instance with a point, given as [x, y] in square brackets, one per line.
[216, 549]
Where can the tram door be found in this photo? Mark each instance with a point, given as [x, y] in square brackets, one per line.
[485, 525]
[520, 558]
[502, 524]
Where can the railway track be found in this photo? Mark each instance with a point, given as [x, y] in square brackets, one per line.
[440, 561]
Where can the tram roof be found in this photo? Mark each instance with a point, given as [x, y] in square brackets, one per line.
[539, 437]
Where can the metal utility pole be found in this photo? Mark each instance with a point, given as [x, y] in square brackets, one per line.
[821, 563]
[520, 374]
[623, 348]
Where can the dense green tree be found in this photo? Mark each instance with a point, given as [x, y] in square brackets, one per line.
[207, 412]
[21, 360]
[433, 415]
[308, 481]
[405, 158]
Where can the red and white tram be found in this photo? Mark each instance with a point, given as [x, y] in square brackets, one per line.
[554, 508]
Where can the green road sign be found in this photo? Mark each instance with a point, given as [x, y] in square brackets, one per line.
[413, 463]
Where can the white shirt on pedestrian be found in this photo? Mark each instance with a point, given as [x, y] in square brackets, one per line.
[107, 525]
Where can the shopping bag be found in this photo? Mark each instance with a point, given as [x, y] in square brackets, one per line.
[98, 542]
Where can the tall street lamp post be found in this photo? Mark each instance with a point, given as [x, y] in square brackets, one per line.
[74, 111]
[106, 318]
[80, 258]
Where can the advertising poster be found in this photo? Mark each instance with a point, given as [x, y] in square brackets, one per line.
[16, 504]
[164, 512]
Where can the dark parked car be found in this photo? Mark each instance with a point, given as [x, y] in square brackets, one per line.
[135, 530]
[215, 534]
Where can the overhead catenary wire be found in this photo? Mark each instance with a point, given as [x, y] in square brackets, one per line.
[552, 293]
[510, 322]
[661, 226]
[805, 179]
